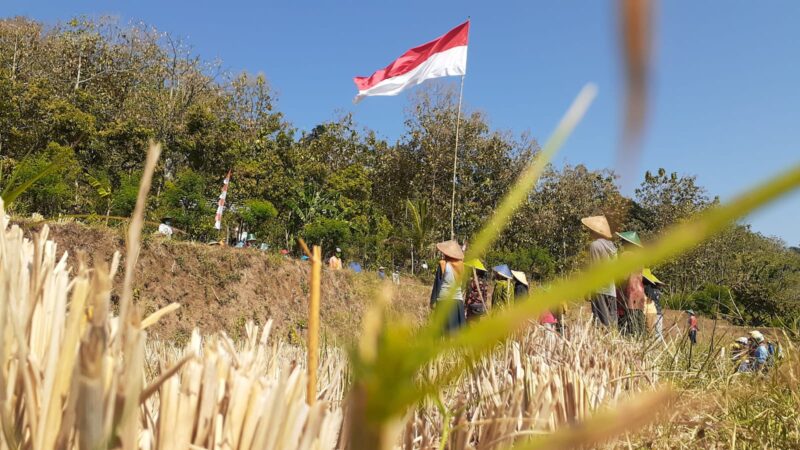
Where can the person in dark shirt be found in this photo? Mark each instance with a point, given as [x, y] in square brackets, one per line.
[477, 291]
[520, 285]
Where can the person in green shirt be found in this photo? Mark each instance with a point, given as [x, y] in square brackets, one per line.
[503, 293]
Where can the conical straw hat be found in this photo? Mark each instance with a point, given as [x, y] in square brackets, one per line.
[598, 224]
[648, 274]
[451, 249]
[476, 263]
[520, 276]
[631, 236]
[503, 271]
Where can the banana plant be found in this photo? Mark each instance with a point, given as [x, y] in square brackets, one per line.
[10, 191]
[103, 190]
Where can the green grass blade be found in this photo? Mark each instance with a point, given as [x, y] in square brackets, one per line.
[402, 353]
[519, 192]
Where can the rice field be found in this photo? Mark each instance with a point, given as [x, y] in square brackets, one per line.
[75, 376]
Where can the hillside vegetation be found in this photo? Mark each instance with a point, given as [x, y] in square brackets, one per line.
[88, 95]
[221, 288]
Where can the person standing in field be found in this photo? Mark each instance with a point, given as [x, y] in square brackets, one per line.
[692, 327]
[604, 300]
[334, 262]
[477, 292]
[631, 294]
[652, 289]
[503, 293]
[520, 285]
[447, 292]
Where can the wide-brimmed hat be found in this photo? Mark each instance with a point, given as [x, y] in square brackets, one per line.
[166, 219]
[251, 237]
[451, 248]
[520, 276]
[741, 340]
[649, 276]
[631, 236]
[598, 224]
[503, 271]
[690, 312]
[476, 264]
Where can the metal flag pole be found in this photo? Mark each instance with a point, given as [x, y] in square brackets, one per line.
[455, 164]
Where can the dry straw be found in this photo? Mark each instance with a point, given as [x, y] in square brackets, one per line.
[67, 384]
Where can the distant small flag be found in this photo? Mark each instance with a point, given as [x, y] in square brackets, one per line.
[221, 203]
[442, 57]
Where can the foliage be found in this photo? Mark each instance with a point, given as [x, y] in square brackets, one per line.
[532, 260]
[48, 180]
[185, 200]
[125, 195]
[94, 92]
[327, 233]
[712, 300]
[257, 213]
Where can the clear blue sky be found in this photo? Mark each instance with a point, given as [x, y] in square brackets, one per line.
[725, 95]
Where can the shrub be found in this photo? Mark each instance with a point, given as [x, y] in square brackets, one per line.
[256, 214]
[534, 261]
[186, 200]
[327, 233]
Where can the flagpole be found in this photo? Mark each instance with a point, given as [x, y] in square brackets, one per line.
[455, 163]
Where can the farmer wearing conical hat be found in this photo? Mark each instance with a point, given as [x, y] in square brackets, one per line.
[447, 291]
[652, 289]
[520, 284]
[631, 297]
[503, 293]
[604, 300]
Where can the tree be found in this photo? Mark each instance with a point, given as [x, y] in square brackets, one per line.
[186, 200]
[534, 261]
[327, 233]
[670, 198]
[550, 219]
[419, 229]
[488, 162]
[54, 174]
[256, 215]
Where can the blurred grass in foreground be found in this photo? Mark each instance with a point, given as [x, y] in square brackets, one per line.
[390, 356]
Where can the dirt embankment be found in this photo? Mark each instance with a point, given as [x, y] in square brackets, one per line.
[221, 288]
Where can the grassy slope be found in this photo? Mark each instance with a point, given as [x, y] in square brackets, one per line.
[221, 288]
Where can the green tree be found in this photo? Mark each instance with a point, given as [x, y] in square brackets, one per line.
[53, 193]
[257, 214]
[327, 233]
[186, 200]
[669, 198]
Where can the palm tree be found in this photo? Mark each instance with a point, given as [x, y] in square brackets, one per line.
[419, 227]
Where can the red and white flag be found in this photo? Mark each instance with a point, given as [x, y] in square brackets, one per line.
[443, 57]
[221, 203]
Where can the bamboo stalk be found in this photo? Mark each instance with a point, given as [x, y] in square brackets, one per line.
[313, 325]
